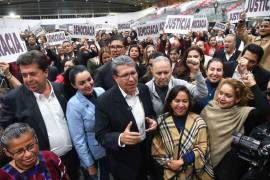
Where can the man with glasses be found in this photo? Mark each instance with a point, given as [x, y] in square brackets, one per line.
[123, 122]
[41, 104]
[19, 142]
[104, 77]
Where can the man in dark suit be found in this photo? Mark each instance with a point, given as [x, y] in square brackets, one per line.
[42, 105]
[103, 77]
[228, 55]
[123, 122]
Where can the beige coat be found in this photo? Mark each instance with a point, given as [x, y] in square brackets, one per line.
[263, 42]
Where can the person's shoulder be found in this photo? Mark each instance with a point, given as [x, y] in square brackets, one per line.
[198, 120]
[49, 155]
[14, 93]
[107, 95]
[4, 175]
[99, 90]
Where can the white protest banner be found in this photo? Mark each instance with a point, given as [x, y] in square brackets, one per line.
[56, 38]
[220, 26]
[255, 8]
[123, 27]
[233, 16]
[200, 24]
[152, 29]
[11, 45]
[37, 30]
[83, 31]
[180, 24]
[107, 27]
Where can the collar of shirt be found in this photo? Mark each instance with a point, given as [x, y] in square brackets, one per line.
[229, 54]
[126, 95]
[41, 96]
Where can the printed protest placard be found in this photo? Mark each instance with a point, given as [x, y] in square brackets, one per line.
[152, 29]
[37, 30]
[255, 8]
[107, 27]
[11, 45]
[200, 24]
[82, 31]
[123, 27]
[56, 38]
[178, 24]
[233, 16]
[220, 26]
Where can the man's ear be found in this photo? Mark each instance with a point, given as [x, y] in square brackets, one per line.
[237, 100]
[7, 153]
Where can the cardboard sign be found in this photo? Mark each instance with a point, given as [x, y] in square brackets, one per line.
[11, 45]
[37, 30]
[200, 24]
[124, 27]
[220, 26]
[56, 38]
[178, 24]
[255, 8]
[152, 29]
[82, 31]
[233, 16]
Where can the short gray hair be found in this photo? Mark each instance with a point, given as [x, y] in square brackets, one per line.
[161, 58]
[15, 131]
[121, 60]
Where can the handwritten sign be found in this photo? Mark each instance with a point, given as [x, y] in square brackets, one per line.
[178, 24]
[255, 8]
[200, 24]
[56, 38]
[234, 16]
[220, 26]
[11, 45]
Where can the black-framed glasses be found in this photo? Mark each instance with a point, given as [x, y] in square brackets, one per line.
[267, 92]
[118, 47]
[20, 152]
[128, 75]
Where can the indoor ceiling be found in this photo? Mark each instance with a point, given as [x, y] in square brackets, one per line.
[78, 8]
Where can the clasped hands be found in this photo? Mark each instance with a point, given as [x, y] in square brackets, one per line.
[129, 138]
[174, 164]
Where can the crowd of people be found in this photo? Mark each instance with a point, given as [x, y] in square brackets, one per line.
[123, 109]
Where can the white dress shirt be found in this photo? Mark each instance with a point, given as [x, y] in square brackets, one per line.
[136, 107]
[55, 122]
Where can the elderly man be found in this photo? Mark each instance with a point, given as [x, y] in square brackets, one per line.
[42, 105]
[163, 81]
[228, 55]
[123, 122]
[262, 40]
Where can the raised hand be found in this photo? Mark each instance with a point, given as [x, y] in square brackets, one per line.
[129, 137]
[152, 124]
[248, 79]
[193, 65]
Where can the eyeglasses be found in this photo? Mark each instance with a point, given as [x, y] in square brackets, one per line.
[127, 76]
[267, 92]
[21, 152]
[118, 47]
